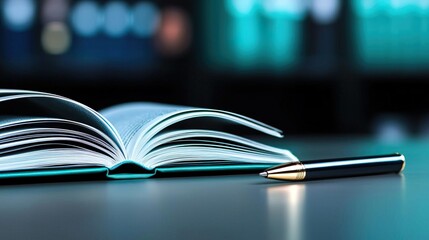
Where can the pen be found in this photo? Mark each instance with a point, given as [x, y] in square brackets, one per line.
[339, 167]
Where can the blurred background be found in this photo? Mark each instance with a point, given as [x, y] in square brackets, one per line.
[309, 67]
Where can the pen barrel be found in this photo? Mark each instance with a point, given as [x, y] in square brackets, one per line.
[349, 167]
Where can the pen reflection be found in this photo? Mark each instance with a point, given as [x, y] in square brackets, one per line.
[285, 206]
[344, 208]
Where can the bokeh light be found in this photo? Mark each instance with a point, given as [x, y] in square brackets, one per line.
[241, 7]
[374, 8]
[86, 18]
[19, 14]
[391, 128]
[366, 7]
[175, 31]
[117, 19]
[54, 10]
[325, 11]
[291, 8]
[146, 19]
[391, 35]
[56, 38]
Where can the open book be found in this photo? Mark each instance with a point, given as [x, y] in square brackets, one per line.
[43, 134]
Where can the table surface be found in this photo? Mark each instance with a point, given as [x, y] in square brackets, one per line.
[231, 207]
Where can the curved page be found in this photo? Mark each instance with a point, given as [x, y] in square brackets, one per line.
[142, 127]
[38, 143]
[36, 104]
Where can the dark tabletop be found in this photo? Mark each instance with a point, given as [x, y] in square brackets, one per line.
[232, 207]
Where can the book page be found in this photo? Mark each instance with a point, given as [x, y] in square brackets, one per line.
[38, 143]
[30, 104]
[130, 118]
[142, 125]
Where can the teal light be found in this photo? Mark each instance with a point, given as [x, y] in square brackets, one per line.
[48, 173]
[279, 8]
[368, 8]
[399, 7]
[423, 7]
[365, 8]
[240, 8]
[391, 34]
[283, 43]
[253, 35]
[245, 41]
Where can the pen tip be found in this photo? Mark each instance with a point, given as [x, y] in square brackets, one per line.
[263, 174]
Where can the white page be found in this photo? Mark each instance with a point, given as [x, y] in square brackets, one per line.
[139, 123]
[129, 118]
[47, 105]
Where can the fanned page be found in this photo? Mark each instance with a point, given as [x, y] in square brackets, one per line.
[45, 131]
[130, 118]
[149, 140]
